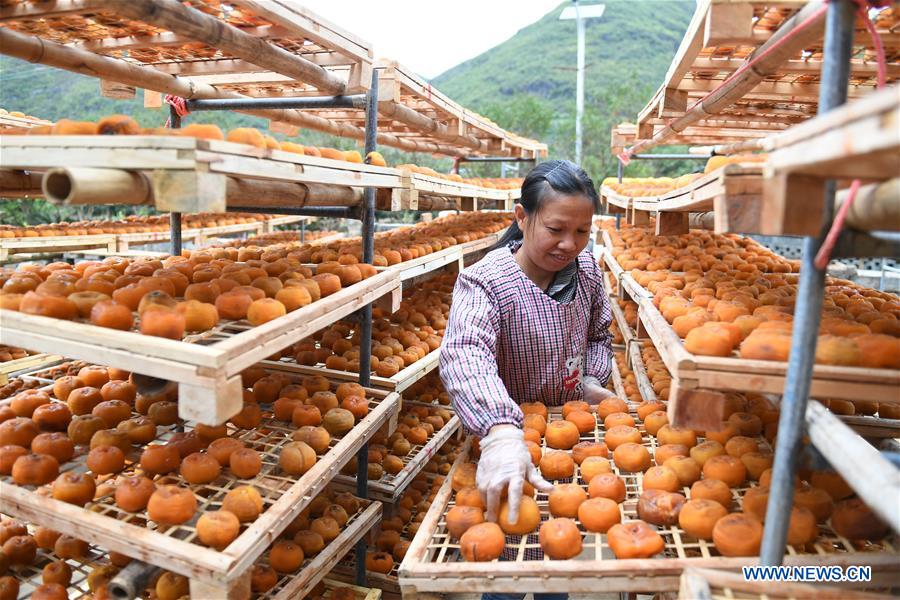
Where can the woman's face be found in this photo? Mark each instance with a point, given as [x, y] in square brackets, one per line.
[556, 234]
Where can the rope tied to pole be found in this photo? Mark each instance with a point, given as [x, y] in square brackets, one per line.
[180, 106]
[823, 256]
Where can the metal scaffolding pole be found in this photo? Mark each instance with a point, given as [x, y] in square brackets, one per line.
[832, 93]
[175, 217]
[365, 314]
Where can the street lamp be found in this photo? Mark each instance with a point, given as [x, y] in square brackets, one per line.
[580, 13]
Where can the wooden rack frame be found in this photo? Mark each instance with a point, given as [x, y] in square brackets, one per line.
[389, 488]
[298, 585]
[209, 375]
[720, 38]
[187, 174]
[433, 566]
[424, 192]
[733, 192]
[858, 140]
[692, 374]
[245, 36]
[212, 573]
[28, 363]
[8, 121]
[115, 243]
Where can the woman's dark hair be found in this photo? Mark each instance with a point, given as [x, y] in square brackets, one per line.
[560, 176]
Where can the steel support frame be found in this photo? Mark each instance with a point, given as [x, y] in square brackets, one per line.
[365, 213]
[839, 29]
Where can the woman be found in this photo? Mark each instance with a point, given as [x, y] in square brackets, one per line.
[529, 322]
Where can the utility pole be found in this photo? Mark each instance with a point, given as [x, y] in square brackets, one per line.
[580, 14]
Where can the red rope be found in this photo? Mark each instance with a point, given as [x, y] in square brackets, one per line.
[180, 105]
[823, 256]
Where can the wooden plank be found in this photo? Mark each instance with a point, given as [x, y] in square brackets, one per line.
[319, 567]
[872, 476]
[221, 570]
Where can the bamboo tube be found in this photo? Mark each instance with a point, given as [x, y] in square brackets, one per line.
[704, 220]
[738, 147]
[738, 87]
[424, 124]
[19, 184]
[37, 50]
[178, 18]
[115, 186]
[876, 207]
[79, 185]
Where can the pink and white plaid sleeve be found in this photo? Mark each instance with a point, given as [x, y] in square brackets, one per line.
[599, 354]
[468, 366]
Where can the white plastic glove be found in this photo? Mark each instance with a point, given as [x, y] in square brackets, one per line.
[593, 390]
[506, 463]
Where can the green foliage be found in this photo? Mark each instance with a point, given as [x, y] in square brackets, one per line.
[527, 83]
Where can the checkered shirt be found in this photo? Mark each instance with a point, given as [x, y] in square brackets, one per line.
[508, 342]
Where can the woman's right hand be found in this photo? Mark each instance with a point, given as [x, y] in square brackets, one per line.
[505, 464]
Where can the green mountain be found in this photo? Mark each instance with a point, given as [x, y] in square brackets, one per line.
[527, 83]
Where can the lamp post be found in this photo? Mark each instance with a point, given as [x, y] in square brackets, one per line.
[580, 14]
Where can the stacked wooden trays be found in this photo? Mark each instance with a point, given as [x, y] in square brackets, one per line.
[176, 548]
[55, 244]
[691, 371]
[208, 365]
[433, 563]
[390, 486]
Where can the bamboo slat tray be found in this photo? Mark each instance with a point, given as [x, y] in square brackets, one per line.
[176, 548]
[389, 488]
[433, 563]
[720, 37]
[207, 366]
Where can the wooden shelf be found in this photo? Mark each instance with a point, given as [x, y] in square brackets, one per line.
[433, 564]
[389, 488]
[733, 192]
[207, 366]
[8, 121]
[858, 140]
[176, 548]
[298, 585]
[48, 245]
[32, 362]
[693, 373]
[425, 192]
[185, 42]
[188, 174]
[720, 38]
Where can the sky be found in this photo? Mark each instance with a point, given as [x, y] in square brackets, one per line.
[429, 36]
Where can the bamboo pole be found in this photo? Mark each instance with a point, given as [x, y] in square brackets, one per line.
[734, 89]
[19, 184]
[178, 18]
[426, 125]
[704, 220]
[81, 185]
[36, 50]
[66, 185]
[876, 207]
